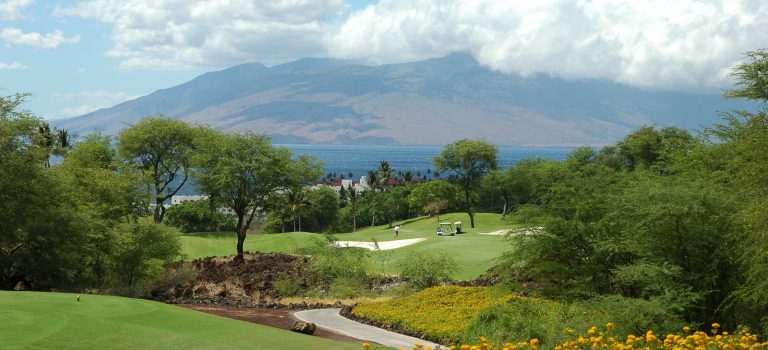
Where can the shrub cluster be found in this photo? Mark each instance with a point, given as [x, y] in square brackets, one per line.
[440, 312]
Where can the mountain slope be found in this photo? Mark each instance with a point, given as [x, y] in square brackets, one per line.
[435, 101]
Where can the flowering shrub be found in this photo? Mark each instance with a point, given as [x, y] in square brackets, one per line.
[440, 312]
[597, 339]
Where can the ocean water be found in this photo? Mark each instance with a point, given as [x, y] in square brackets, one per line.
[342, 159]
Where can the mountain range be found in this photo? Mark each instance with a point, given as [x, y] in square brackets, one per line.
[430, 102]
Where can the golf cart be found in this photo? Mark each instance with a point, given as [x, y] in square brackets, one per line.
[459, 229]
[445, 229]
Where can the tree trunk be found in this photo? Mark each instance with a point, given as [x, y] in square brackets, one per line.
[159, 212]
[354, 222]
[469, 207]
[240, 234]
[504, 210]
[159, 208]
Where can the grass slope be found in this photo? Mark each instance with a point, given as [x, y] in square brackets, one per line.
[56, 321]
[473, 252]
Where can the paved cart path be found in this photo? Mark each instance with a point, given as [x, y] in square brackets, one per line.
[331, 320]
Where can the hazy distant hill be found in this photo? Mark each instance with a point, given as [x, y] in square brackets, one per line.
[435, 101]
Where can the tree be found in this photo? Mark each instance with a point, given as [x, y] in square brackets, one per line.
[469, 160]
[433, 197]
[352, 197]
[161, 148]
[385, 173]
[373, 180]
[41, 231]
[322, 209]
[142, 249]
[752, 78]
[245, 171]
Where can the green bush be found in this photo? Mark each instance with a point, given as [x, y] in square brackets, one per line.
[141, 251]
[287, 286]
[331, 264]
[527, 318]
[426, 270]
[196, 216]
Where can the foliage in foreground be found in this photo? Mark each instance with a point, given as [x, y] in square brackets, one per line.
[527, 318]
[607, 339]
[440, 312]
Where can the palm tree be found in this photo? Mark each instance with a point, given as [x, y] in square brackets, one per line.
[408, 176]
[297, 201]
[385, 173]
[62, 142]
[352, 198]
[373, 180]
[46, 142]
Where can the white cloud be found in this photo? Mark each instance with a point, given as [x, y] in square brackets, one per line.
[88, 101]
[179, 33]
[11, 9]
[657, 44]
[12, 66]
[46, 41]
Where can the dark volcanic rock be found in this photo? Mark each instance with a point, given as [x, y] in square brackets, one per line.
[303, 327]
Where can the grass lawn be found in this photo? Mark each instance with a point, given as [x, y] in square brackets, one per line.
[56, 321]
[473, 252]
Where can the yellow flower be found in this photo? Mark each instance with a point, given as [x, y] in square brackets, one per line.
[715, 325]
[592, 330]
[686, 329]
[366, 346]
[610, 325]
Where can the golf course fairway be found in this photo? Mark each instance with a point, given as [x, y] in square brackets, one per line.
[40, 320]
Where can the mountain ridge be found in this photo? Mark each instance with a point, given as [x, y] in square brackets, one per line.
[429, 102]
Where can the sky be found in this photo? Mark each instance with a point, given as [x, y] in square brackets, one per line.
[78, 56]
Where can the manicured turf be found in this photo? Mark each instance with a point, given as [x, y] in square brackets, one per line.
[473, 252]
[57, 321]
[200, 245]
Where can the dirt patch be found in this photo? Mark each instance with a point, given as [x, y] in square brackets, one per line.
[277, 318]
[230, 281]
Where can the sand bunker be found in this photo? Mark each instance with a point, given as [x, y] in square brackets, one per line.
[520, 231]
[385, 245]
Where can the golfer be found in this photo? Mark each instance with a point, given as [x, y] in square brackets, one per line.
[397, 230]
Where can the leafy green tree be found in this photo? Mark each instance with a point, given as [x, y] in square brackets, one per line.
[101, 190]
[648, 148]
[394, 203]
[751, 78]
[245, 171]
[196, 216]
[434, 197]
[40, 228]
[469, 160]
[323, 208]
[141, 250]
[161, 148]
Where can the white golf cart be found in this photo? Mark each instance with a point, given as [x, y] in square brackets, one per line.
[445, 229]
[459, 229]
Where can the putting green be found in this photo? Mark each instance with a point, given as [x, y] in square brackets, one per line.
[35, 320]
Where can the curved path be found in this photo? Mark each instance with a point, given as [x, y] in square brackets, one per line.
[331, 320]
